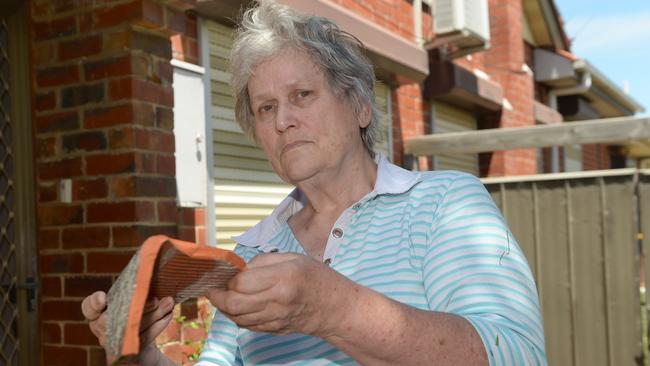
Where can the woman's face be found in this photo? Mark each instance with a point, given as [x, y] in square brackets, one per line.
[304, 128]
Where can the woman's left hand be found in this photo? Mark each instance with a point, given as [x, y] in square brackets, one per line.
[285, 293]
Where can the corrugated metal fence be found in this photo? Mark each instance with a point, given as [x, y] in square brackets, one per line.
[579, 232]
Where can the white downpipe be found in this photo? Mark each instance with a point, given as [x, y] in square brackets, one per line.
[204, 54]
[417, 22]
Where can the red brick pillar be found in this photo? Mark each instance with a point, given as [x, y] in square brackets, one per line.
[504, 62]
[103, 123]
[409, 120]
[191, 225]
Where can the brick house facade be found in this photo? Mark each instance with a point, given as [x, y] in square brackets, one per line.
[102, 124]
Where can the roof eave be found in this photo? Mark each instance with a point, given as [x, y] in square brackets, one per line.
[609, 87]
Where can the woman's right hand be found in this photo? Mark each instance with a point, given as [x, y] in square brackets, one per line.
[155, 317]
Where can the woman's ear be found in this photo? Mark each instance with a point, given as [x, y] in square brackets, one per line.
[365, 114]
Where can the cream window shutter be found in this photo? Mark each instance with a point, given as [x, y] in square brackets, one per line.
[447, 118]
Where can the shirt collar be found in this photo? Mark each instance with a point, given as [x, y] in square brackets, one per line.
[391, 179]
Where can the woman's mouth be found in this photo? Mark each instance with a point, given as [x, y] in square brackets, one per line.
[293, 145]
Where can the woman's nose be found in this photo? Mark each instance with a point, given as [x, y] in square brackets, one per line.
[285, 118]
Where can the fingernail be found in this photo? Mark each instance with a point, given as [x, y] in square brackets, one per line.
[167, 303]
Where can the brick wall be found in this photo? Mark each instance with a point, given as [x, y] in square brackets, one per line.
[595, 157]
[504, 62]
[191, 225]
[396, 16]
[409, 109]
[103, 120]
[409, 120]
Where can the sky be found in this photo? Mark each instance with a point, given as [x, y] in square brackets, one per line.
[614, 36]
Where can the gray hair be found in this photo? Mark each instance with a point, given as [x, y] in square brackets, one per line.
[268, 28]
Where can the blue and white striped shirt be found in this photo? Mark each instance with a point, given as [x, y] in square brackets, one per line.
[431, 240]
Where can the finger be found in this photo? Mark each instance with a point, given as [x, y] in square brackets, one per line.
[267, 259]
[275, 326]
[165, 306]
[150, 305]
[234, 303]
[215, 296]
[98, 328]
[268, 314]
[257, 279]
[273, 269]
[255, 322]
[150, 334]
[94, 305]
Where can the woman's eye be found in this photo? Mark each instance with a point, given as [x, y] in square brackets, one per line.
[266, 108]
[304, 93]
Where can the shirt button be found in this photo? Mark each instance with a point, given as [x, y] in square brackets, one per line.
[337, 233]
[327, 261]
[356, 206]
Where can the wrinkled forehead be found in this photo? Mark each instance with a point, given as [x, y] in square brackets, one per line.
[288, 68]
[295, 60]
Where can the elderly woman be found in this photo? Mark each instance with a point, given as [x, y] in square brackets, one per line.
[364, 263]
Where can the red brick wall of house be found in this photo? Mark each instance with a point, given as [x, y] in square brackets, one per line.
[103, 120]
[395, 16]
[595, 157]
[409, 116]
[409, 108]
[504, 61]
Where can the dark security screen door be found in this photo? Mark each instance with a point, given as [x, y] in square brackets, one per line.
[18, 285]
[8, 263]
